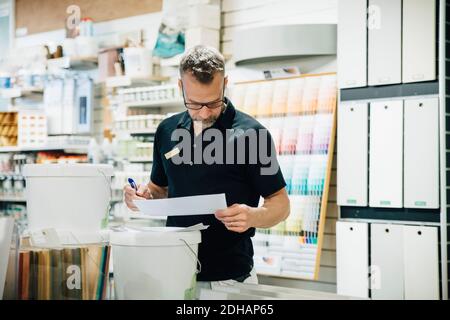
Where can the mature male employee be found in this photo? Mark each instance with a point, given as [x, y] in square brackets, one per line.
[226, 251]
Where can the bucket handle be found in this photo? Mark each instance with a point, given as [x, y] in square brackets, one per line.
[199, 265]
[108, 183]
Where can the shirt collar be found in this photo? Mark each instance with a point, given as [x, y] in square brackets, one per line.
[225, 119]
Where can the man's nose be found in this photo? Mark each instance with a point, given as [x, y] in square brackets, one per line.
[204, 113]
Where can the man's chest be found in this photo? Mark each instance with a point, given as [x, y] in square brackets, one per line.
[201, 164]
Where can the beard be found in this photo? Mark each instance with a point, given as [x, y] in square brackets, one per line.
[208, 122]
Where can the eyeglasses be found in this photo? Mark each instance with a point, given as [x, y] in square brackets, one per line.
[210, 105]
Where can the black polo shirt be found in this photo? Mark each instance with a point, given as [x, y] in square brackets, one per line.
[223, 254]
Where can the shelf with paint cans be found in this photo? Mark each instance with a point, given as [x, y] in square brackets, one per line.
[138, 124]
[167, 96]
[135, 151]
[300, 114]
[126, 81]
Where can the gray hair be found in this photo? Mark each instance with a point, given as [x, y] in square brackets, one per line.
[203, 63]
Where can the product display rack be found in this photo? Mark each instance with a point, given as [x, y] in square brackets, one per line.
[300, 114]
[406, 217]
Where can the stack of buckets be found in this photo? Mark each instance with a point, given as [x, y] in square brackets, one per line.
[74, 199]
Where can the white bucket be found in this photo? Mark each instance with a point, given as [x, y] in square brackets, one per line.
[73, 197]
[156, 264]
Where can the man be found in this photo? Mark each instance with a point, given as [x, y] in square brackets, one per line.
[226, 251]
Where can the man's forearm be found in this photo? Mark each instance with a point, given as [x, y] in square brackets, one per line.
[273, 211]
[157, 191]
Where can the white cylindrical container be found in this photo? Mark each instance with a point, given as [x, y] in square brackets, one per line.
[72, 197]
[158, 263]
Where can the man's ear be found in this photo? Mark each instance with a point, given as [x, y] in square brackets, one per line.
[225, 81]
[180, 86]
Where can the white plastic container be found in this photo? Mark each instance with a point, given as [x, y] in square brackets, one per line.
[138, 62]
[72, 197]
[159, 263]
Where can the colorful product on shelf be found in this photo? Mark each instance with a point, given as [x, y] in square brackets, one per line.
[280, 95]
[295, 94]
[27, 128]
[32, 129]
[68, 104]
[265, 97]
[12, 187]
[139, 123]
[67, 273]
[305, 135]
[302, 124]
[135, 151]
[8, 129]
[60, 157]
[150, 95]
[238, 95]
[250, 105]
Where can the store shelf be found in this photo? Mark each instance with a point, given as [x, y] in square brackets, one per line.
[391, 91]
[75, 63]
[125, 81]
[143, 133]
[137, 132]
[141, 160]
[71, 148]
[12, 199]
[13, 93]
[409, 215]
[10, 93]
[155, 104]
[21, 199]
[26, 91]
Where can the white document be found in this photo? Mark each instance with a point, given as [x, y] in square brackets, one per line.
[183, 206]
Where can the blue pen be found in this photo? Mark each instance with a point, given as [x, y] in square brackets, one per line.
[133, 184]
